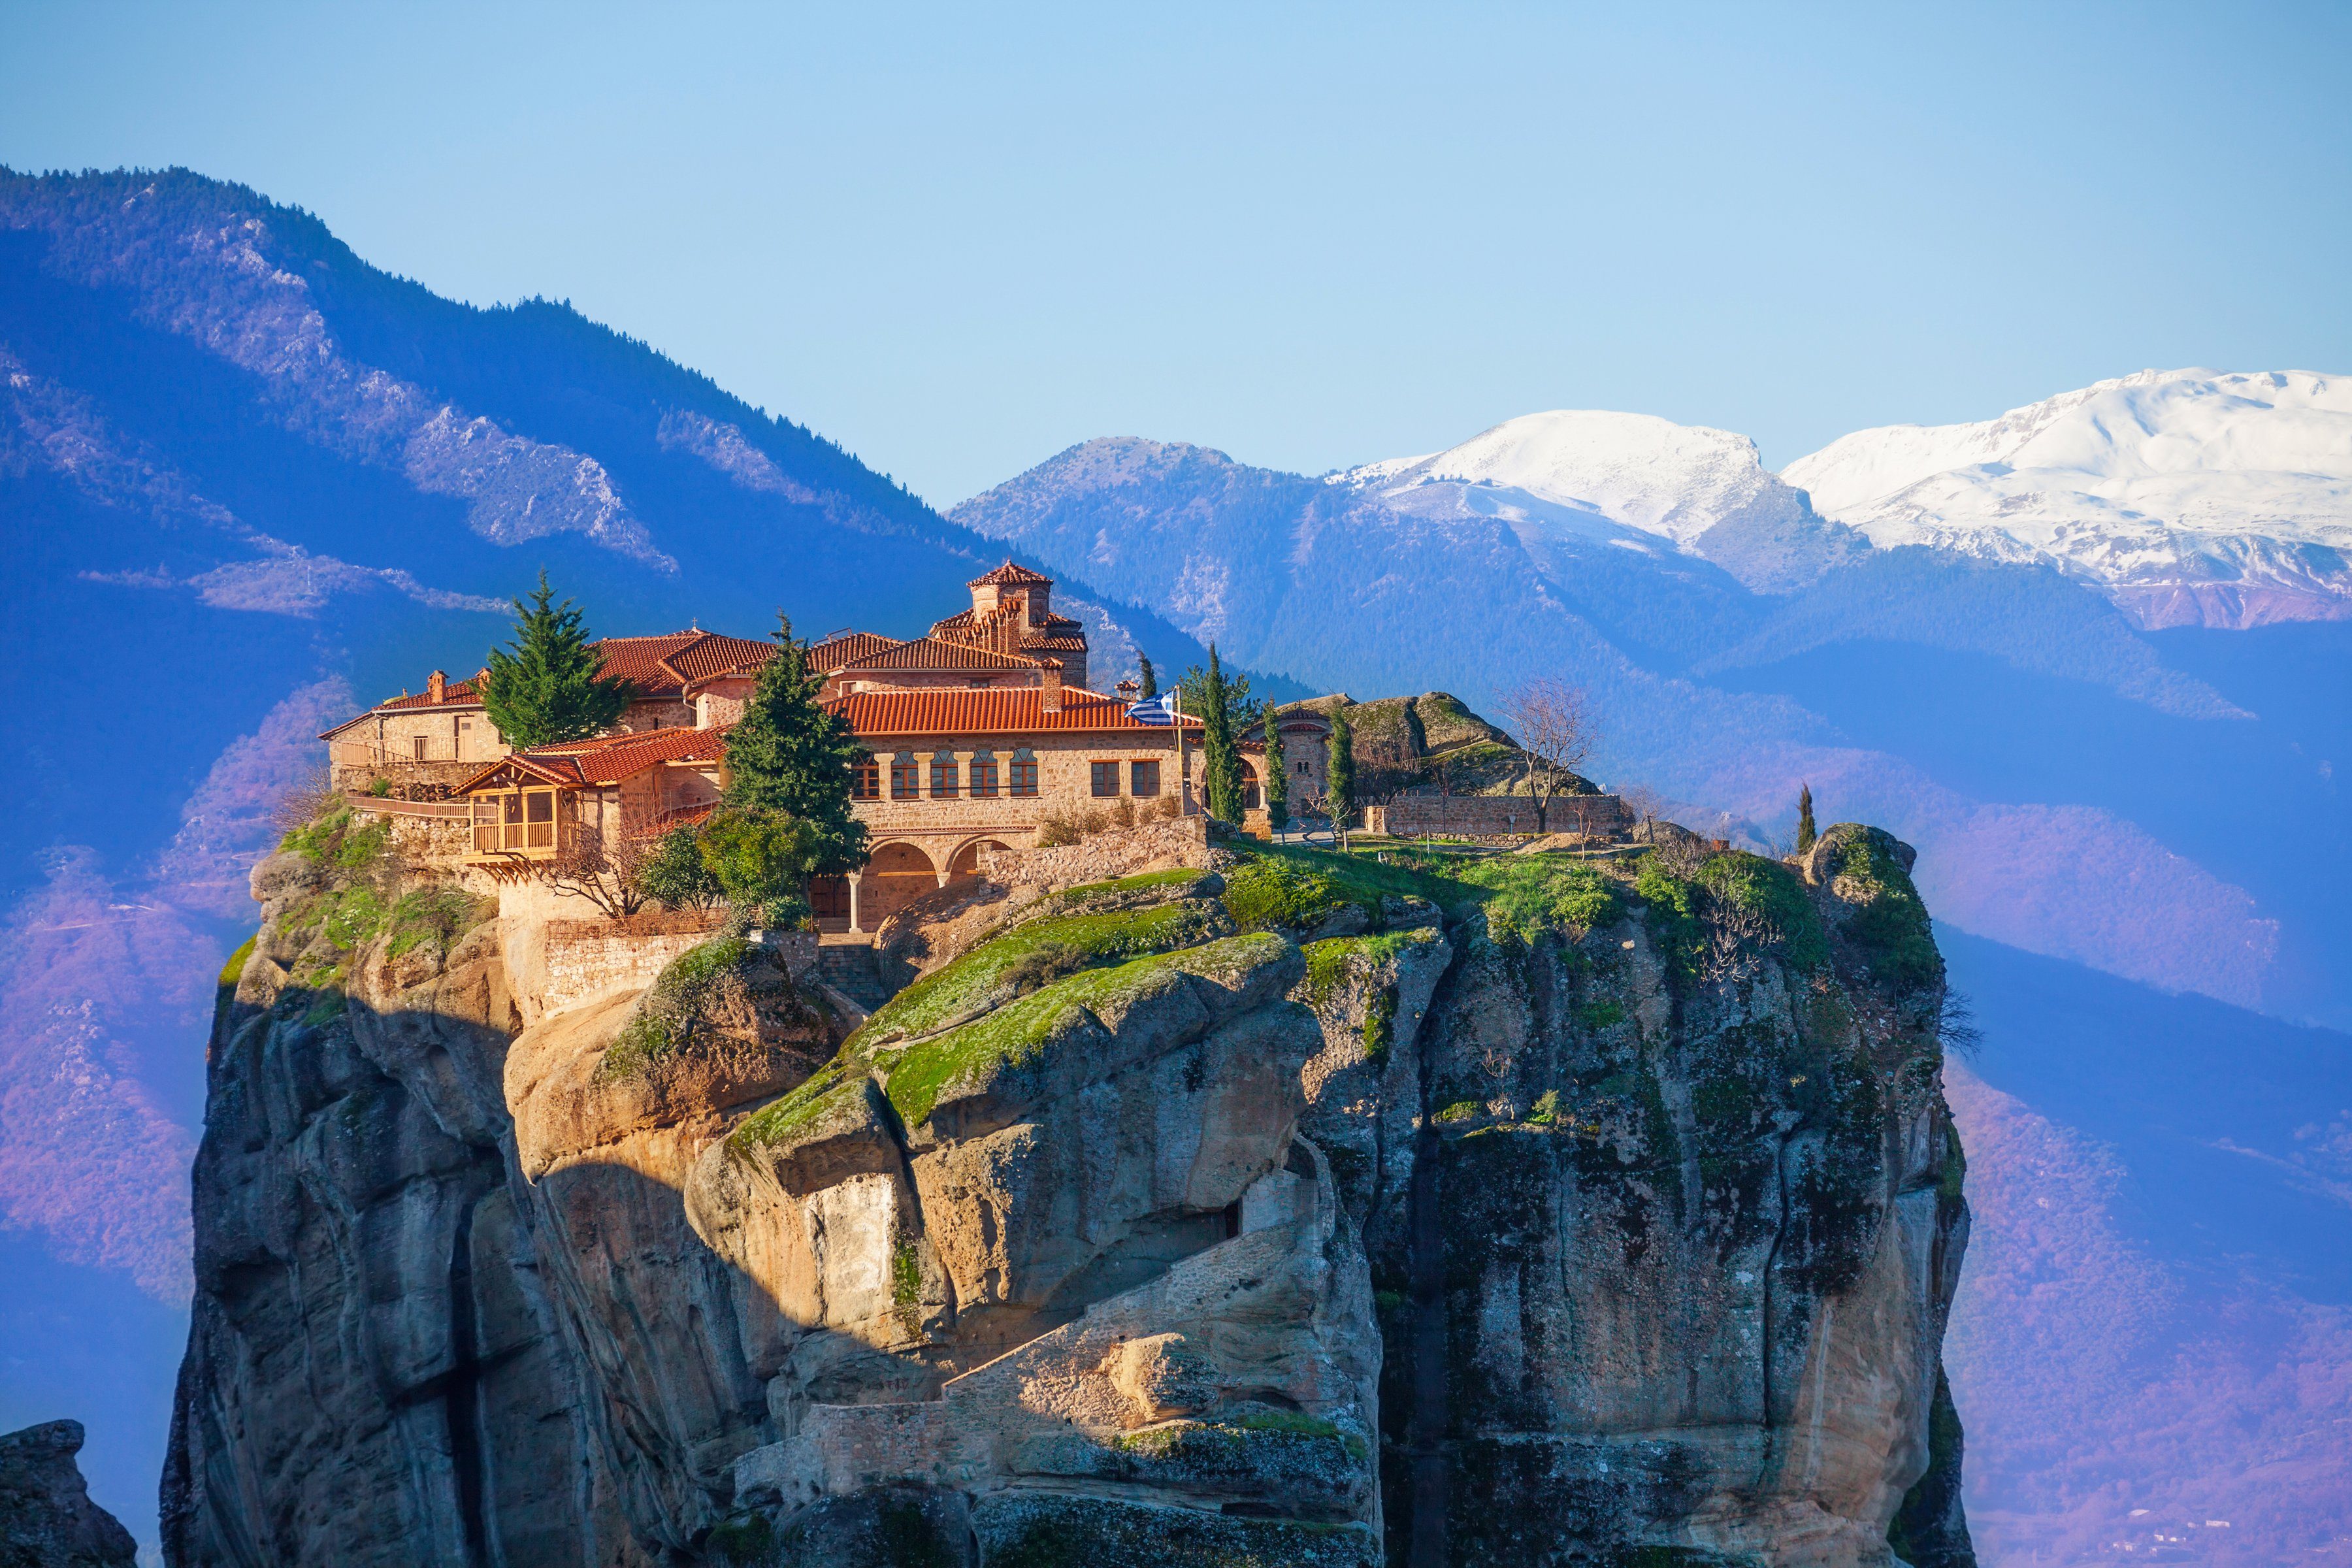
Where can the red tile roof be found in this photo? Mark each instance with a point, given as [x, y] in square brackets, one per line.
[830, 654]
[933, 653]
[988, 710]
[1009, 572]
[666, 665]
[609, 759]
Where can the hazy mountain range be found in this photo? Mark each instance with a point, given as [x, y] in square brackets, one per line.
[2084, 654]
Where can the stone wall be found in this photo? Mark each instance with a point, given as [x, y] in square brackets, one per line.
[1495, 816]
[583, 959]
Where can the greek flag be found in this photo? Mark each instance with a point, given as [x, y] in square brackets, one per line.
[1150, 710]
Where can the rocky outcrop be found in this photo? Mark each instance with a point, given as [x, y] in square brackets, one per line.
[1258, 1207]
[47, 1520]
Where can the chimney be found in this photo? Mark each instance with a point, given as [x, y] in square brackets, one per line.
[1129, 689]
[436, 687]
[1051, 700]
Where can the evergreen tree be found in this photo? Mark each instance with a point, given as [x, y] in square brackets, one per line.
[1221, 760]
[551, 688]
[1339, 771]
[1805, 834]
[1277, 776]
[1151, 675]
[788, 754]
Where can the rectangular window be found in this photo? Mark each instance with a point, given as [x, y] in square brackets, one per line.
[538, 818]
[1143, 779]
[1024, 774]
[906, 777]
[417, 742]
[1105, 775]
[866, 778]
[486, 823]
[984, 774]
[943, 776]
[510, 821]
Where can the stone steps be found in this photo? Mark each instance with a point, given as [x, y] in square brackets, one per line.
[848, 967]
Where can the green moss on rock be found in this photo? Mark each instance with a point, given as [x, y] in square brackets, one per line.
[991, 972]
[1023, 1030]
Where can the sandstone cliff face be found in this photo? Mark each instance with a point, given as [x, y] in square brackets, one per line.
[1269, 1208]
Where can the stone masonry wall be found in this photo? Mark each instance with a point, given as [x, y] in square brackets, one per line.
[1494, 816]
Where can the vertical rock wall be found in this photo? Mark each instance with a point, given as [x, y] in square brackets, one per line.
[1300, 1211]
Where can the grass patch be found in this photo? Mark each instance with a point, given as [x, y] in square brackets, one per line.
[1141, 882]
[1328, 961]
[434, 916]
[1774, 894]
[671, 1010]
[1530, 894]
[809, 1100]
[907, 1287]
[1891, 929]
[1010, 963]
[1288, 886]
[1022, 1030]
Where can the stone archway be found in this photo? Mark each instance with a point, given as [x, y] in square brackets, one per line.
[967, 858]
[895, 876]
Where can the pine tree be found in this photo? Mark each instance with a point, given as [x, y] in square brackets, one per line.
[1277, 776]
[1805, 834]
[1221, 760]
[1339, 771]
[1151, 675]
[788, 754]
[552, 687]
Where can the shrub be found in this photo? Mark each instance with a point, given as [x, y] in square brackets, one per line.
[674, 874]
[758, 857]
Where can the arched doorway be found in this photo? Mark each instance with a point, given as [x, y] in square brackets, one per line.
[896, 877]
[1250, 801]
[967, 859]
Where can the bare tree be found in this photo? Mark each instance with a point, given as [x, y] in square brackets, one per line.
[1647, 806]
[1556, 730]
[605, 874]
[305, 800]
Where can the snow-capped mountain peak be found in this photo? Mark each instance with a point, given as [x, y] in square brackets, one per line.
[2193, 497]
[1675, 481]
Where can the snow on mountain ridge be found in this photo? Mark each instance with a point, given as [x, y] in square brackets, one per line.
[1675, 481]
[2191, 497]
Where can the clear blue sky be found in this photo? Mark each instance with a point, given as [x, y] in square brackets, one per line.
[959, 239]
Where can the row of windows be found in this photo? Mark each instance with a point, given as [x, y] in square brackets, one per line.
[981, 777]
[947, 778]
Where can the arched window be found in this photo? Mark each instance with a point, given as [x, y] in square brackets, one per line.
[944, 781]
[906, 777]
[1024, 771]
[982, 778]
[866, 778]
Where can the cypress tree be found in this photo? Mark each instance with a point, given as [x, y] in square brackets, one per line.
[1278, 776]
[1805, 835]
[1151, 675]
[1339, 771]
[551, 688]
[1221, 761]
[788, 754]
